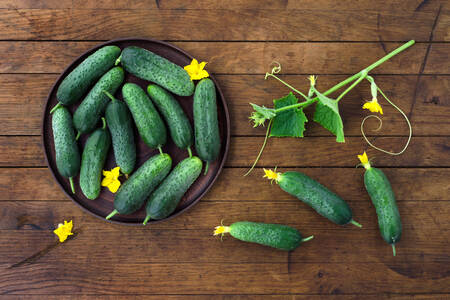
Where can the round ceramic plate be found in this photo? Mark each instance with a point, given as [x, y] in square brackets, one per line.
[104, 204]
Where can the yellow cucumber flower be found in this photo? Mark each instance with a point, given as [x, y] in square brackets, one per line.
[195, 70]
[373, 106]
[272, 175]
[312, 80]
[364, 160]
[111, 179]
[64, 230]
[221, 230]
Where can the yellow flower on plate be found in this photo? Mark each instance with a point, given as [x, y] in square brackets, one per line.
[111, 179]
[272, 175]
[196, 70]
[64, 230]
[373, 106]
[364, 160]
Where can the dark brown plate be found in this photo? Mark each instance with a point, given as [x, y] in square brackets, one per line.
[103, 205]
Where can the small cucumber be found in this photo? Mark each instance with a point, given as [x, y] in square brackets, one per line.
[93, 160]
[152, 67]
[322, 200]
[66, 148]
[120, 124]
[73, 87]
[383, 198]
[273, 235]
[132, 194]
[148, 122]
[206, 126]
[179, 126]
[89, 112]
[165, 198]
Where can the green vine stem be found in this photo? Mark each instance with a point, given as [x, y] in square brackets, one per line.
[307, 239]
[262, 148]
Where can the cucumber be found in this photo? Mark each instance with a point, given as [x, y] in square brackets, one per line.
[165, 198]
[148, 122]
[66, 148]
[383, 198]
[274, 235]
[322, 200]
[89, 112]
[120, 124]
[152, 67]
[93, 160]
[206, 124]
[76, 84]
[132, 194]
[179, 126]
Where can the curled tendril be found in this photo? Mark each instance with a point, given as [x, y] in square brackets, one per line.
[276, 68]
[381, 124]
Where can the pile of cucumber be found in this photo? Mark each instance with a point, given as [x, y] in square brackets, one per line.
[110, 124]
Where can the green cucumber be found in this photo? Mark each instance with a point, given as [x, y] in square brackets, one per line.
[132, 194]
[179, 127]
[322, 200]
[93, 160]
[383, 198]
[120, 124]
[165, 198]
[76, 84]
[152, 67]
[66, 148]
[148, 122]
[206, 123]
[278, 236]
[89, 112]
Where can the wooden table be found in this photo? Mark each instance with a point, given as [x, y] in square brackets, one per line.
[240, 39]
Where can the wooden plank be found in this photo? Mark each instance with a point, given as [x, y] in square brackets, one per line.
[438, 58]
[22, 98]
[432, 184]
[89, 277]
[249, 25]
[30, 227]
[239, 57]
[237, 297]
[47, 4]
[26, 151]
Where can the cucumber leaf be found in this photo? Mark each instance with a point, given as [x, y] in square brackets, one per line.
[327, 115]
[289, 123]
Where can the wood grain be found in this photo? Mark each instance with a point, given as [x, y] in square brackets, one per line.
[248, 25]
[290, 296]
[433, 184]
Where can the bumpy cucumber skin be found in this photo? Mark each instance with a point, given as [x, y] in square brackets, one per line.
[152, 67]
[132, 194]
[165, 198]
[89, 112]
[120, 124]
[179, 126]
[66, 148]
[206, 124]
[75, 85]
[274, 235]
[92, 162]
[147, 119]
[383, 198]
[321, 199]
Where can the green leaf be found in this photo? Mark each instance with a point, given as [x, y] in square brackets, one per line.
[327, 115]
[289, 123]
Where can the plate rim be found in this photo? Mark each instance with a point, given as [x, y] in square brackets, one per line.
[60, 78]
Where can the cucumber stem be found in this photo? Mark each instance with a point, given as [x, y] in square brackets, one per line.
[72, 187]
[160, 150]
[127, 175]
[147, 218]
[109, 95]
[393, 249]
[355, 223]
[104, 123]
[189, 151]
[112, 214]
[78, 136]
[206, 168]
[262, 148]
[118, 60]
[307, 239]
[55, 107]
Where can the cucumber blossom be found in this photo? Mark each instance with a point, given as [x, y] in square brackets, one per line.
[152, 67]
[89, 112]
[164, 200]
[383, 198]
[274, 235]
[66, 149]
[322, 200]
